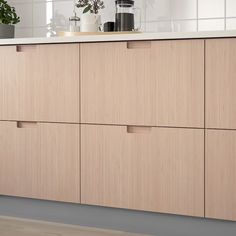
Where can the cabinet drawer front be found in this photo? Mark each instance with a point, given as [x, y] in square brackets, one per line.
[220, 83]
[151, 169]
[151, 83]
[116, 86]
[221, 174]
[40, 83]
[178, 69]
[40, 160]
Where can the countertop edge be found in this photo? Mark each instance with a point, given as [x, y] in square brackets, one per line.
[121, 37]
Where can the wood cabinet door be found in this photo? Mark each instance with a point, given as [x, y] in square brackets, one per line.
[221, 174]
[39, 83]
[40, 160]
[178, 72]
[116, 86]
[143, 83]
[221, 83]
[143, 168]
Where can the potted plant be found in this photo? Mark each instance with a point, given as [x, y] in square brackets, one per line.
[8, 18]
[90, 20]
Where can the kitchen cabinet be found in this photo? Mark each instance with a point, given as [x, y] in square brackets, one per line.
[142, 125]
[158, 83]
[40, 83]
[143, 168]
[40, 160]
[220, 83]
[221, 174]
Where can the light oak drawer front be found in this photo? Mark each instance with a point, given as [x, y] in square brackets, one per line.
[143, 83]
[221, 174]
[221, 83]
[178, 72]
[143, 168]
[116, 84]
[39, 83]
[40, 160]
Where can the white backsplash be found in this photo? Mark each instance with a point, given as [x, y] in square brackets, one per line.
[41, 17]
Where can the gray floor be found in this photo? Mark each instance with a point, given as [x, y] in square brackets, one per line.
[21, 227]
[116, 219]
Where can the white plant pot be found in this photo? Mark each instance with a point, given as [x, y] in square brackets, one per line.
[90, 22]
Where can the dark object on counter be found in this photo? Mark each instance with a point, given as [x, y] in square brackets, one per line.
[124, 22]
[124, 2]
[124, 15]
[109, 27]
[7, 31]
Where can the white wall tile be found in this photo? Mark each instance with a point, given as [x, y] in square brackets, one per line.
[40, 13]
[23, 32]
[157, 10]
[40, 32]
[24, 10]
[172, 26]
[208, 25]
[184, 9]
[211, 8]
[143, 27]
[231, 24]
[62, 10]
[231, 8]
[184, 26]
[158, 26]
[19, 1]
[141, 4]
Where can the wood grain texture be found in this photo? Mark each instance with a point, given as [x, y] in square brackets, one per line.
[220, 83]
[178, 72]
[40, 161]
[40, 83]
[152, 83]
[116, 85]
[160, 171]
[221, 174]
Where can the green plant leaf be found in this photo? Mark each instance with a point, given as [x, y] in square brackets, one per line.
[86, 9]
[90, 5]
[8, 14]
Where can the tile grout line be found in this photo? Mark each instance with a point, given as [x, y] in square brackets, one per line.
[197, 15]
[33, 28]
[145, 15]
[225, 14]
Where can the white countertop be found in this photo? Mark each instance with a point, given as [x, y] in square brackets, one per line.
[121, 37]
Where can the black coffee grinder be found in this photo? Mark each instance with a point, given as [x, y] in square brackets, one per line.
[128, 17]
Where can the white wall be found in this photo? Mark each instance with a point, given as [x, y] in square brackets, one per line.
[157, 15]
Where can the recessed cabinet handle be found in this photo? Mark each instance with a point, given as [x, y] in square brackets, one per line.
[25, 124]
[25, 48]
[138, 129]
[139, 44]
